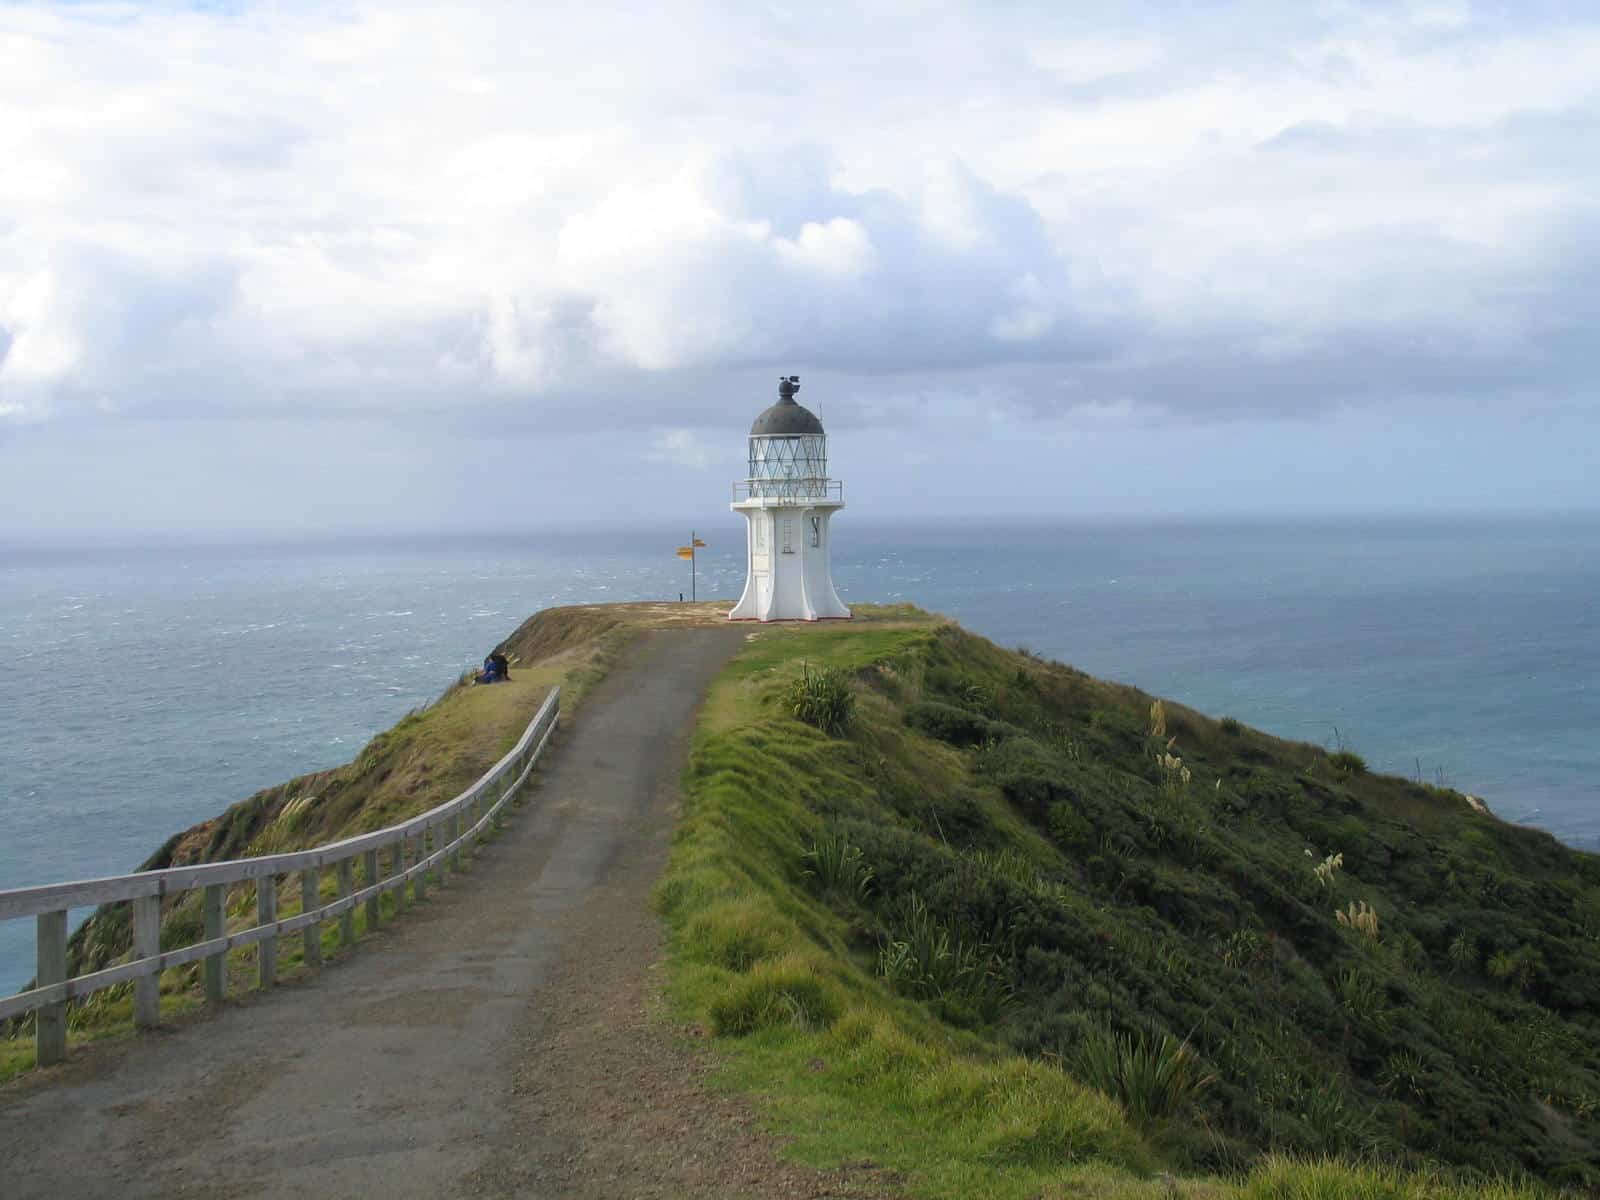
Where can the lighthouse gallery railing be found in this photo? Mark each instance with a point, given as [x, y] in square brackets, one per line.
[788, 489]
[429, 842]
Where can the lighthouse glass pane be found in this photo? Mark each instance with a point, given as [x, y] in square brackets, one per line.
[785, 467]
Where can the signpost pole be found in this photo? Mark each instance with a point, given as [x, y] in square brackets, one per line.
[688, 552]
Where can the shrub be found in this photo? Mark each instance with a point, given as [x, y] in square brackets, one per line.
[1230, 726]
[1069, 827]
[1404, 1074]
[1334, 1123]
[1362, 997]
[838, 866]
[1028, 775]
[1463, 951]
[1347, 762]
[1242, 948]
[955, 726]
[735, 935]
[822, 699]
[1516, 969]
[786, 993]
[922, 957]
[1043, 1118]
[1009, 864]
[1152, 1075]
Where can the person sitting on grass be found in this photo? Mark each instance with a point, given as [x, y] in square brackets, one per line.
[496, 669]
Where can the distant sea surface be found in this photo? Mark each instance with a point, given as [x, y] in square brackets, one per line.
[145, 689]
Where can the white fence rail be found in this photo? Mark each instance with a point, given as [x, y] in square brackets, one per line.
[429, 843]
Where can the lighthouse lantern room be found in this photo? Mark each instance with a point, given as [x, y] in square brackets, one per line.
[788, 501]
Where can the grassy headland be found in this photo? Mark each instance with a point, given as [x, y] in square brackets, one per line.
[1018, 932]
[1014, 931]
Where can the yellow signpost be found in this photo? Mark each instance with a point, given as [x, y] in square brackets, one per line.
[688, 552]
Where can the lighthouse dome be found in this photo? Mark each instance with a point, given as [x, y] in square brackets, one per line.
[786, 418]
[788, 450]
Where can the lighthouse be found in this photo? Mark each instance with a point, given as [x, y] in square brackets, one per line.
[788, 502]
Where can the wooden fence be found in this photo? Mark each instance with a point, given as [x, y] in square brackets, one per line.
[428, 843]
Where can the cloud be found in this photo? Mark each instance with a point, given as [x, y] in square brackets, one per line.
[492, 213]
[680, 447]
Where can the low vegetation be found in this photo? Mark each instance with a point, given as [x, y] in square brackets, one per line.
[822, 699]
[1014, 931]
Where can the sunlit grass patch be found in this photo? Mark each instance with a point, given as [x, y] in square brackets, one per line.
[1285, 1178]
[790, 993]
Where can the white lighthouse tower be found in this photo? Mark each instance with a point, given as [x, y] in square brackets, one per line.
[788, 501]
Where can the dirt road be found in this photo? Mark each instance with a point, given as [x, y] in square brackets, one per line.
[501, 1040]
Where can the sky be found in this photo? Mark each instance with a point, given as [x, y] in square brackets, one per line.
[323, 267]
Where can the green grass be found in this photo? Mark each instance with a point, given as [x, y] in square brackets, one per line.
[822, 699]
[995, 938]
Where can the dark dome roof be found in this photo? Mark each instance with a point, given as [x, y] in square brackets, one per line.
[786, 418]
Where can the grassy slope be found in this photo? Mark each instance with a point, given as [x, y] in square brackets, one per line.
[1092, 890]
[429, 756]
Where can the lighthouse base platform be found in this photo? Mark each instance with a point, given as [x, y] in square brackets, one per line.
[790, 576]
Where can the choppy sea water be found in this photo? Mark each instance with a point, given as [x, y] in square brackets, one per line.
[144, 689]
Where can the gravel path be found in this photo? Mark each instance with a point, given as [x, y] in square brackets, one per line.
[503, 1039]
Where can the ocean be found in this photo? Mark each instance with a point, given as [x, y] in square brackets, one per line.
[145, 688]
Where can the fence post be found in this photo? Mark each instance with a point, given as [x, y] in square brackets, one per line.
[267, 914]
[374, 909]
[310, 900]
[50, 1020]
[216, 963]
[347, 884]
[397, 860]
[457, 827]
[421, 884]
[147, 944]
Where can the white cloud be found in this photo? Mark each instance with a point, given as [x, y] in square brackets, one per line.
[298, 209]
[680, 447]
